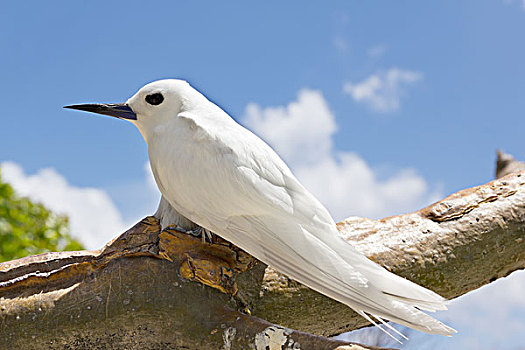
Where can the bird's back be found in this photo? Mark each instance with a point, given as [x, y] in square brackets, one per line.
[224, 178]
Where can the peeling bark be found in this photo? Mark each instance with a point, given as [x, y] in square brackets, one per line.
[155, 290]
[137, 293]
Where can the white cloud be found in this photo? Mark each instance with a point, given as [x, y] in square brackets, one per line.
[491, 317]
[298, 131]
[93, 217]
[341, 44]
[382, 91]
[302, 133]
[377, 51]
[349, 186]
[497, 309]
[511, 2]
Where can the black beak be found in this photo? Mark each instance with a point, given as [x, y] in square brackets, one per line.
[117, 110]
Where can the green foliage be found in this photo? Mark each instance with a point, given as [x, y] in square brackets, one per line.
[28, 228]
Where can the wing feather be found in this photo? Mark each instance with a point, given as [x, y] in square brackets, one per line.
[237, 186]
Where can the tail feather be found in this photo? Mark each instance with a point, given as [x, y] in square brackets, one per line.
[334, 268]
[421, 304]
[391, 284]
[369, 319]
[391, 328]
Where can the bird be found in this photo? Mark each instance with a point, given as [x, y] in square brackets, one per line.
[216, 176]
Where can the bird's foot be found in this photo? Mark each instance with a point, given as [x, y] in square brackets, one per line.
[215, 265]
[196, 232]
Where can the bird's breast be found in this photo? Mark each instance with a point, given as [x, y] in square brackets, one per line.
[195, 177]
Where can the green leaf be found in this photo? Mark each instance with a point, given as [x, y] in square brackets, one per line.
[28, 228]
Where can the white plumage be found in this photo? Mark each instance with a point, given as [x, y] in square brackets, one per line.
[214, 173]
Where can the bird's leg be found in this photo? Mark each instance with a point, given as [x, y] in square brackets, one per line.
[214, 265]
[199, 231]
[171, 219]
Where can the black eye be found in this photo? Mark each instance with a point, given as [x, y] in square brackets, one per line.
[155, 99]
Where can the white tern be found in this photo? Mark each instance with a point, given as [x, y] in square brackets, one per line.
[216, 175]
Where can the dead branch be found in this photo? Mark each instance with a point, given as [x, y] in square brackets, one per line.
[456, 245]
[156, 290]
[506, 164]
[138, 293]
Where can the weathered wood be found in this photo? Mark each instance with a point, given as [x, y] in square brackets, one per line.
[506, 164]
[456, 245]
[136, 293]
[144, 290]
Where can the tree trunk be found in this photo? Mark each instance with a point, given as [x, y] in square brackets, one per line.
[166, 290]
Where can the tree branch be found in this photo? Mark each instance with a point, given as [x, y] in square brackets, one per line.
[506, 164]
[456, 245]
[132, 295]
[139, 292]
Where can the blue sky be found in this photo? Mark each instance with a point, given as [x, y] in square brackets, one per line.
[396, 103]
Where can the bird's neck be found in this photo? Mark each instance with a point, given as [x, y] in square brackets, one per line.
[151, 132]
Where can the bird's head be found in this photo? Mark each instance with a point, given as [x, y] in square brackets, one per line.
[153, 105]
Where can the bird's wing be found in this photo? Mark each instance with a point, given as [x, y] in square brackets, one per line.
[296, 252]
[252, 199]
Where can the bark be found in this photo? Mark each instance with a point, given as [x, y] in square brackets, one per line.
[167, 290]
[506, 164]
[139, 292]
